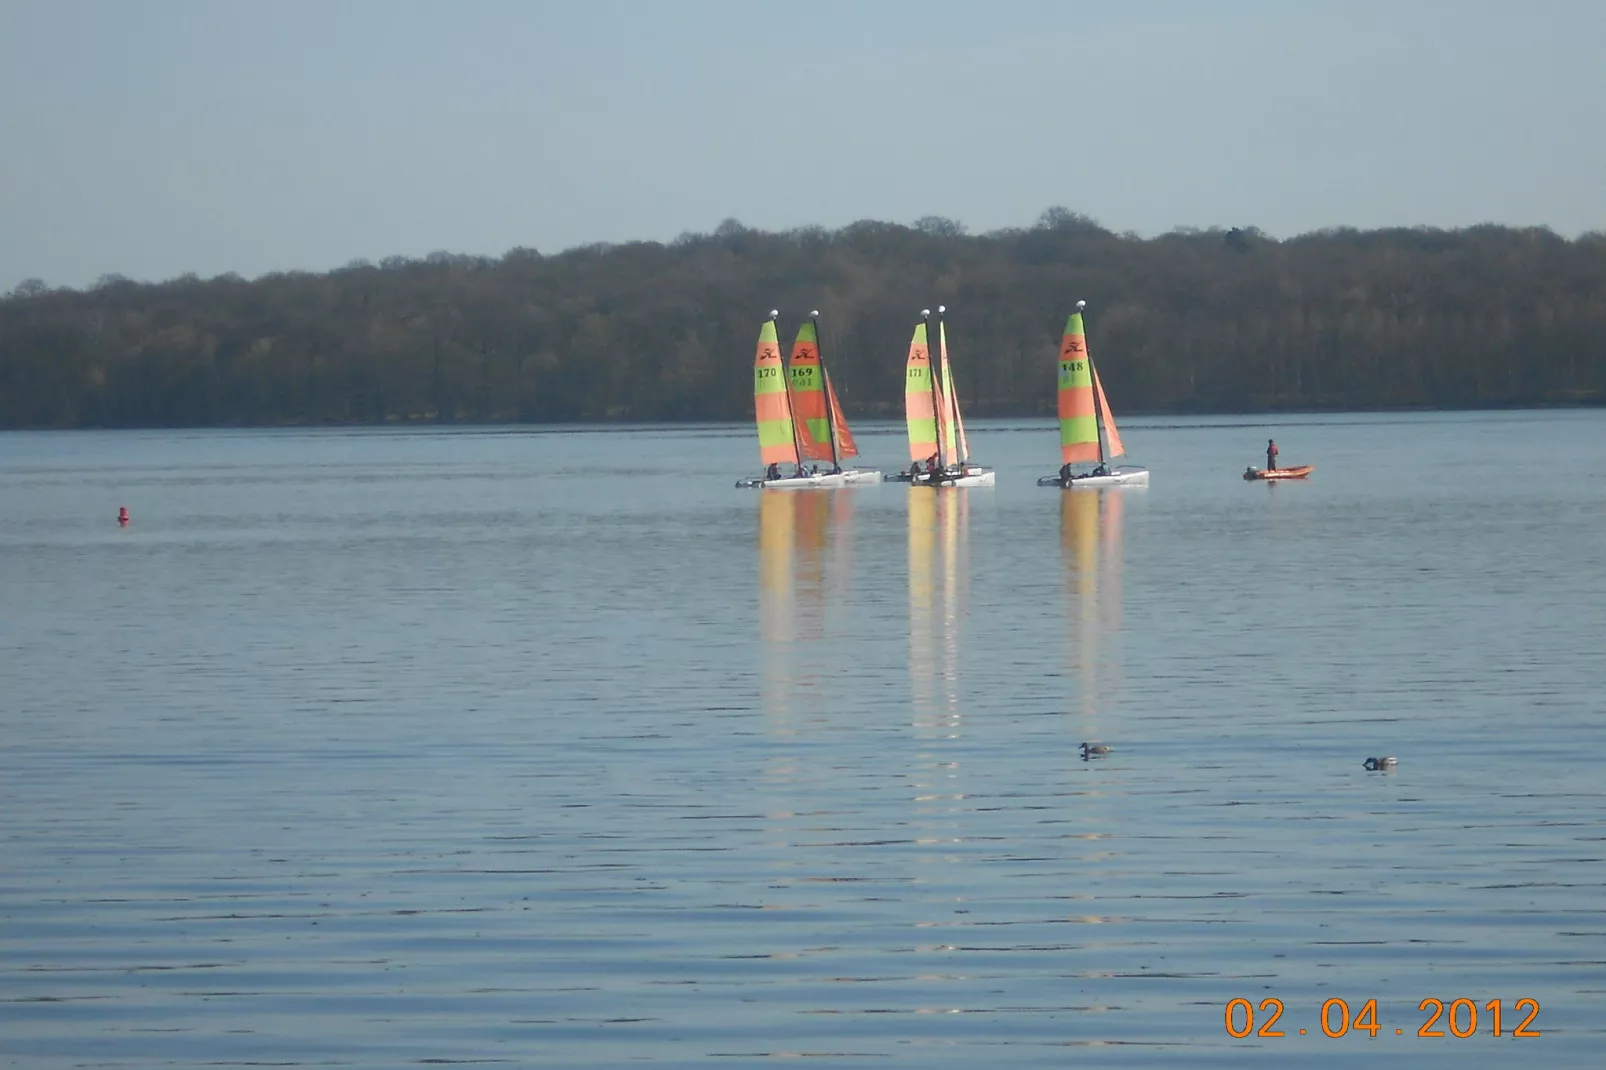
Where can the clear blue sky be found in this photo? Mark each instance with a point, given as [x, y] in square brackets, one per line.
[156, 137]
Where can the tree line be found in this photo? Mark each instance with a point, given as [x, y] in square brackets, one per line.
[1194, 321]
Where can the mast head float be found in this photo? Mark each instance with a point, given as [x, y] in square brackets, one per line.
[1080, 305]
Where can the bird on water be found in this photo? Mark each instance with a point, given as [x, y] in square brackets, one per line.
[1376, 764]
[1095, 750]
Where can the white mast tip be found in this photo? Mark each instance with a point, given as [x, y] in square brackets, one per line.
[774, 312]
[941, 309]
[1081, 304]
[925, 312]
[815, 313]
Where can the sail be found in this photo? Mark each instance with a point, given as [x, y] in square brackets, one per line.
[919, 401]
[1112, 437]
[771, 402]
[959, 427]
[845, 446]
[808, 396]
[1079, 425]
[947, 402]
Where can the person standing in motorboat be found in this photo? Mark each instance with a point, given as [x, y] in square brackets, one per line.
[1271, 456]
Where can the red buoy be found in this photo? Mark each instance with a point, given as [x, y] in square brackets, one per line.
[122, 516]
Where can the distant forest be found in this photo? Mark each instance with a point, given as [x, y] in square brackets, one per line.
[1194, 321]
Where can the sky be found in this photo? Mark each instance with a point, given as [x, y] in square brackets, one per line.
[161, 137]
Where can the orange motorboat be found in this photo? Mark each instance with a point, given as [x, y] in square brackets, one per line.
[1297, 472]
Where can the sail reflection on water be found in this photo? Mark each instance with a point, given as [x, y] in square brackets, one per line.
[1090, 540]
[777, 628]
[939, 584]
[803, 539]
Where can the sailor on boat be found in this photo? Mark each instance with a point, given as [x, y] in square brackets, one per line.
[1068, 472]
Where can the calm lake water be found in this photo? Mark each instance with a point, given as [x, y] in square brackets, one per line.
[372, 748]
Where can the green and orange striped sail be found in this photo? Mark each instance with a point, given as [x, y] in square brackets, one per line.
[823, 433]
[772, 403]
[919, 400]
[1087, 430]
[808, 396]
[919, 397]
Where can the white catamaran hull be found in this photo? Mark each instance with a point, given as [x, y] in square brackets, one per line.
[982, 477]
[822, 481]
[974, 476]
[1122, 476]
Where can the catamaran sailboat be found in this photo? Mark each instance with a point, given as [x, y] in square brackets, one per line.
[785, 439]
[822, 430]
[1087, 427]
[937, 443]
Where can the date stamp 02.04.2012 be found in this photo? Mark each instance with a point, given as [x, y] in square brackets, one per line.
[1460, 1016]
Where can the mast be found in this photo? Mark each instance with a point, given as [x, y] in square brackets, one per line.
[1098, 409]
[1098, 396]
[945, 381]
[786, 378]
[936, 393]
[954, 435]
[825, 385]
